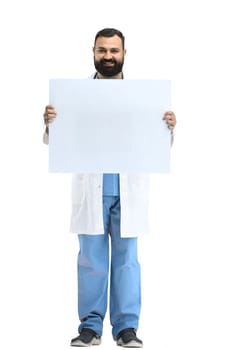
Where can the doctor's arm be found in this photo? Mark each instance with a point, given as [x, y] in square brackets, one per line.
[49, 116]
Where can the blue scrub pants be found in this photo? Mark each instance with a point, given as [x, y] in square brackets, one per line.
[103, 257]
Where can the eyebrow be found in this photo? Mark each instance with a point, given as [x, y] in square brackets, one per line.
[104, 48]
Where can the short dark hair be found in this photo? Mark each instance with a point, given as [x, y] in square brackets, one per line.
[109, 32]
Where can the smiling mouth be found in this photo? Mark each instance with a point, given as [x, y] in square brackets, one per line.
[109, 64]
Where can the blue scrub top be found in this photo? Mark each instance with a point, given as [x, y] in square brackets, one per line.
[111, 184]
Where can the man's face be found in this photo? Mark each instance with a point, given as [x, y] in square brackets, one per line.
[109, 55]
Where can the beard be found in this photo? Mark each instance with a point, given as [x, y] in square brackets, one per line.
[108, 71]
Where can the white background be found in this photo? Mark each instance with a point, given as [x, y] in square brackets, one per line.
[187, 260]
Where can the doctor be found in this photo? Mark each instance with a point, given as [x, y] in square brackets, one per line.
[108, 208]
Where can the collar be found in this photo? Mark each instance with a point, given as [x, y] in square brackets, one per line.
[94, 76]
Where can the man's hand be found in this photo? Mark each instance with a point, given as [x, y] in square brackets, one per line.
[170, 119]
[49, 114]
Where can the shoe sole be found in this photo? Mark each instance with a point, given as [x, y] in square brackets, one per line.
[130, 344]
[95, 341]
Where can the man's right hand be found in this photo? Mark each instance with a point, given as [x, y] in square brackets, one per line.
[49, 114]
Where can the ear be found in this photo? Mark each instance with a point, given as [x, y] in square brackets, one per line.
[125, 51]
[93, 50]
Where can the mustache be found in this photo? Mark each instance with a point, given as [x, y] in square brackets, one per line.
[110, 60]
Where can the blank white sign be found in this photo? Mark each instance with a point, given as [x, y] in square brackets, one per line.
[109, 126]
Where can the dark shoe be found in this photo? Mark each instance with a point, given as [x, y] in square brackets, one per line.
[87, 337]
[128, 339]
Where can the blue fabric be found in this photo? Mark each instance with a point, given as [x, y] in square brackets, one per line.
[111, 185]
[93, 272]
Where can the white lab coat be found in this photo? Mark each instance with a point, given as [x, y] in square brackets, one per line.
[87, 204]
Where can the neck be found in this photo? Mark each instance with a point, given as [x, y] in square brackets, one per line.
[117, 76]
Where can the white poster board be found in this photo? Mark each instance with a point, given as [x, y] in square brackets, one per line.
[109, 126]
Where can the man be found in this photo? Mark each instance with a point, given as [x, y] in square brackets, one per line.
[108, 207]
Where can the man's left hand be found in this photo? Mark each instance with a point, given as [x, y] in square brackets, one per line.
[170, 119]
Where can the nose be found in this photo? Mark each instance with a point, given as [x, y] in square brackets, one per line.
[108, 55]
